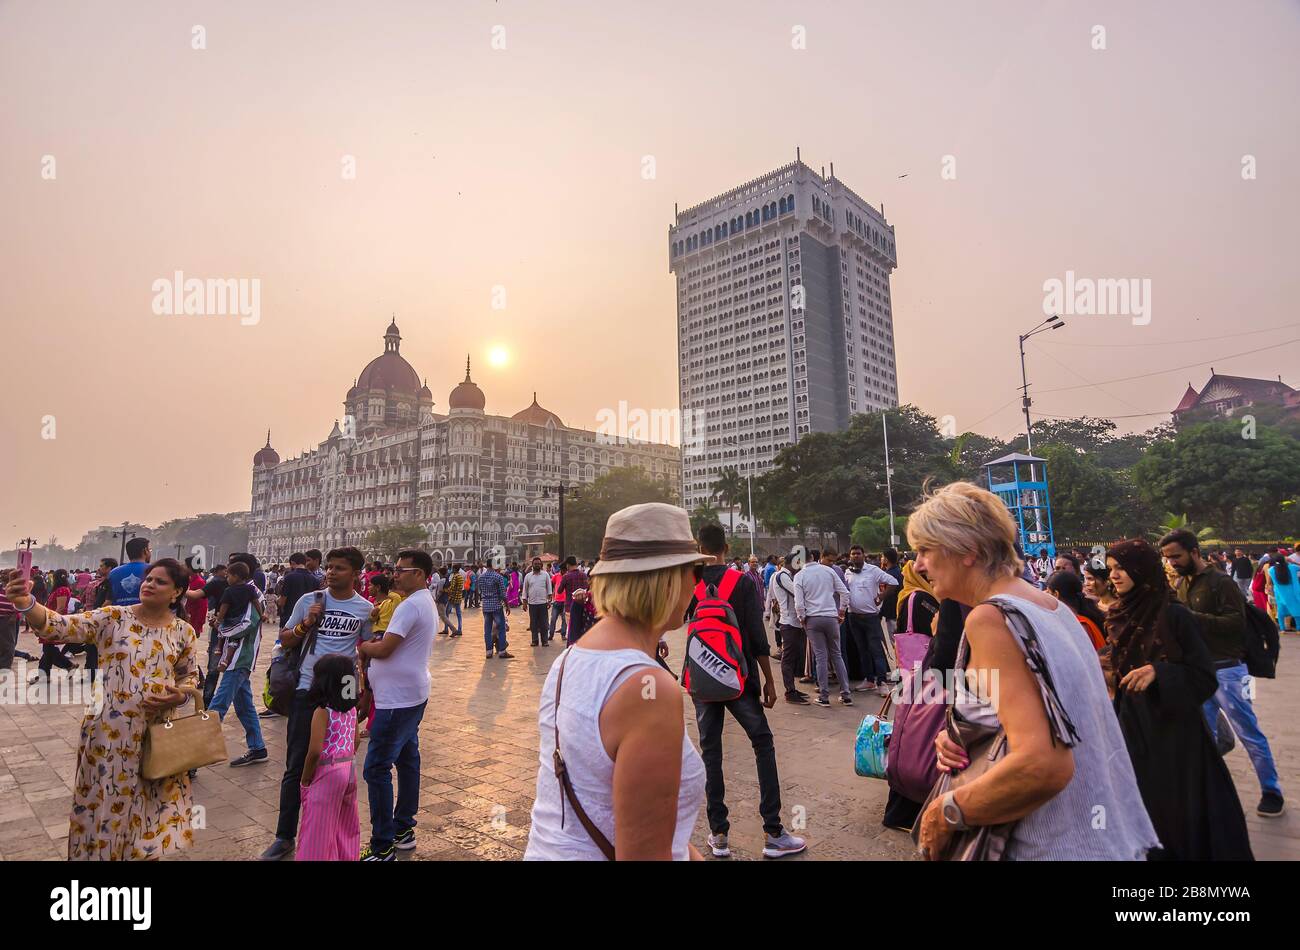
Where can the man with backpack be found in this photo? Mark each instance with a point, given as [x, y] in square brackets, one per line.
[1220, 611]
[746, 606]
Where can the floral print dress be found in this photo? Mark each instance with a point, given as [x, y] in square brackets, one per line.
[116, 814]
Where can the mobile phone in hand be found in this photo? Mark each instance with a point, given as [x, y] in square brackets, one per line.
[25, 565]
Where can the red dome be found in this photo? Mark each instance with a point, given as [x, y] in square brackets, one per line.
[389, 371]
[266, 455]
[536, 415]
[466, 395]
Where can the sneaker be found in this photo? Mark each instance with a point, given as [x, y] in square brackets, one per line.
[864, 686]
[280, 849]
[783, 846]
[267, 714]
[489, 654]
[799, 699]
[805, 679]
[249, 758]
[883, 690]
[1271, 805]
[822, 701]
[370, 854]
[846, 699]
[405, 840]
[503, 655]
[718, 843]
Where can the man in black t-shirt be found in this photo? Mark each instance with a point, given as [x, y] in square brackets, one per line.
[297, 582]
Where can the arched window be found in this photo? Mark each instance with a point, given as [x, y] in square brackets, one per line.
[781, 205]
[789, 202]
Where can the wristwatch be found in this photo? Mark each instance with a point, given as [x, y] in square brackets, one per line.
[952, 813]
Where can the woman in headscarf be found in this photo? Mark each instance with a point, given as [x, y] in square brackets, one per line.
[917, 604]
[1161, 673]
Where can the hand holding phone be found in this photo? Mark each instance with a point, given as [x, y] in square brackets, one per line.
[25, 565]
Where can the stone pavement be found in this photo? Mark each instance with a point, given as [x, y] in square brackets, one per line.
[479, 761]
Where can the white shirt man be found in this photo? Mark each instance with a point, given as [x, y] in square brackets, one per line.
[818, 592]
[537, 594]
[780, 593]
[864, 584]
[818, 595]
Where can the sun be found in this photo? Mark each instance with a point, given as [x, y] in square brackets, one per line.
[498, 356]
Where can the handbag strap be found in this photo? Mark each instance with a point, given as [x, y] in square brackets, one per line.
[562, 774]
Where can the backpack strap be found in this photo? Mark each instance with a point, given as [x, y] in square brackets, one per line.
[727, 585]
[562, 774]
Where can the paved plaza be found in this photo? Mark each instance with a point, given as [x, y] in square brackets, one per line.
[479, 750]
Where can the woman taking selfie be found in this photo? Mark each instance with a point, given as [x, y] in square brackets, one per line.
[630, 784]
[1025, 673]
[147, 657]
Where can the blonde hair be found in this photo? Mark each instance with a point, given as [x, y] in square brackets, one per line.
[964, 519]
[642, 598]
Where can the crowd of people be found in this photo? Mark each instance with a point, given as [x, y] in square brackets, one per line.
[1119, 678]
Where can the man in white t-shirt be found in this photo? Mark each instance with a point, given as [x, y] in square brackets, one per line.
[537, 594]
[399, 679]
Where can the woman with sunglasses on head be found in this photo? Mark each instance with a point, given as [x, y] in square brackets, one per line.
[1161, 673]
[147, 668]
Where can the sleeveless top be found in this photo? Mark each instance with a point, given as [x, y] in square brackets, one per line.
[340, 735]
[590, 679]
[1099, 815]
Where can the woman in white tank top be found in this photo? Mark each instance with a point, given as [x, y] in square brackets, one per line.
[636, 783]
[1038, 681]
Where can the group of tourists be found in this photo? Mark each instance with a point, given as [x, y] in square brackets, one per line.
[1108, 685]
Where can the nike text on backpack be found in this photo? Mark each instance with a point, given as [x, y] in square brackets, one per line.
[715, 669]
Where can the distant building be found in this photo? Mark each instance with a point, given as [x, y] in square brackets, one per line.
[471, 480]
[1224, 395]
[784, 320]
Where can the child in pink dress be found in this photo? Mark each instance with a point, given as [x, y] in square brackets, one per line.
[330, 829]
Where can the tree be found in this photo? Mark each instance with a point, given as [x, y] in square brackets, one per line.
[703, 514]
[872, 531]
[585, 516]
[1175, 522]
[386, 542]
[1090, 502]
[729, 488]
[1217, 475]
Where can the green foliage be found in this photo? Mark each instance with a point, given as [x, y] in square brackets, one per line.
[1214, 475]
[1175, 522]
[703, 514]
[729, 488]
[585, 516]
[872, 531]
[1089, 500]
[387, 541]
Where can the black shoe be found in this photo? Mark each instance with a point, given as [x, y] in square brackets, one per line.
[265, 714]
[280, 849]
[250, 757]
[503, 655]
[799, 699]
[1271, 805]
[846, 699]
[533, 644]
[404, 840]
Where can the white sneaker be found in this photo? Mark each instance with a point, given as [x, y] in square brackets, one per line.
[783, 846]
[718, 843]
[864, 686]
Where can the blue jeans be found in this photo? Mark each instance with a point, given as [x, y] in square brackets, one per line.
[456, 608]
[394, 740]
[497, 617]
[234, 688]
[1233, 699]
[557, 611]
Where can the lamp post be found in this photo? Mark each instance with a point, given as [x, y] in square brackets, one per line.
[749, 490]
[123, 534]
[889, 485]
[563, 490]
[1051, 323]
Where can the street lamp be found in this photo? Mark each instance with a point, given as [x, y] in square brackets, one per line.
[749, 489]
[1043, 327]
[889, 484]
[123, 534]
[563, 490]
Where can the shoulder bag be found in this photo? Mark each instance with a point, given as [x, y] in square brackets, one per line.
[173, 746]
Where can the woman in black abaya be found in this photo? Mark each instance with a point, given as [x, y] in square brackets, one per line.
[1161, 673]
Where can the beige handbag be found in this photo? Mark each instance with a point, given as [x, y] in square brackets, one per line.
[174, 746]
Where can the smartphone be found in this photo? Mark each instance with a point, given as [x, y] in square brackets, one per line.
[25, 565]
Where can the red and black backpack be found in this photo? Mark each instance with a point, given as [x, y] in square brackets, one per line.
[715, 669]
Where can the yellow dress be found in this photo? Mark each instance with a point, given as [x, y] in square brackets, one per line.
[117, 815]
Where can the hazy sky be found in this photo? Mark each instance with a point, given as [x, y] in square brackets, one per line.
[522, 167]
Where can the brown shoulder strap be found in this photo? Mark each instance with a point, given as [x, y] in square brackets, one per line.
[562, 774]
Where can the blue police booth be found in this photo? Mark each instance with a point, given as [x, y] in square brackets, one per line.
[1021, 482]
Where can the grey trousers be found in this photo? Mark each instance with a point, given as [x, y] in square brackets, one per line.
[824, 632]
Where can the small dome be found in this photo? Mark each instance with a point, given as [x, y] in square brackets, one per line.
[467, 395]
[537, 416]
[389, 371]
[266, 455]
[425, 391]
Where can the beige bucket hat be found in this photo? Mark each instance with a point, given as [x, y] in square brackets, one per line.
[647, 537]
